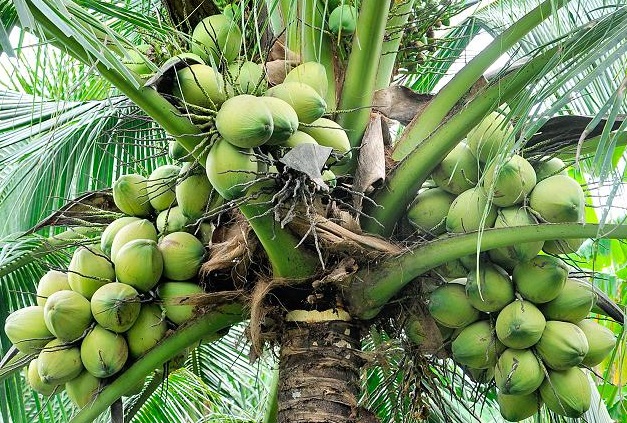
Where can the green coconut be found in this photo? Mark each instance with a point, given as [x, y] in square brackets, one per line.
[231, 170]
[482, 376]
[343, 20]
[130, 195]
[38, 385]
[549, 167]
[216, 38]
[59, 362]
[248, 77]
[194, 192]
[509, 182]
[329, 178]
[518, 372]
[540, 279]
[116, 306]
[171, 220]
[458, 171]
[562, 246]
[27, 330]
[171, 295]
[139, 264]
[515, 408]
[305, 100]
[106, 239]
[83, 389]
[149, 328]
[160, 186]
[512, 255]
[470, 211]
[313, 74]
[558, 199]
[476, 346]
[136, 61]
[89, 269]
[329, 133]
[451, 270]
[103, 352]
[491, 136]
[520, 325]
[182, 255]
[248, 129]
[177, 152]
[414, 330]
[601, 341]
[562, 345]
[450, 306]
[284, 119]
[67, 315]
[141, 229]
[50, 283]
[566, 392]
[200, 85]
[572, 304]
[428, 211]
[490, 289]
[298, 138]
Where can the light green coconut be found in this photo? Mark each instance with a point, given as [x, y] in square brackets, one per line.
[141, 229]
[171, 295]
[470, 211]
[103, 352]
[182, 255]
[284, 119]
[245, 121]
[106, 239]
[313, 74]
[458, 171]
[59, 362]
[540, 279]
[491, 136]
[231, 170]
[509, 182]
[450, 306]
[149, 328]
[50, 283]
[83, 389]
[429, 209]
[89, 269]
[177, 152]
[172, 220]
[343, 20]
[116, 306]
[194, 191]
[329, 133]
[490, 289]
[566, 392]
[512, 255]
[298, 138]
[136, 60]
[27, 330]
[248, 77]
[216, 38]
[200, 85]
[139, 263]
[476, 346]
[572, 304]
[518, 372]
[562, 345]
[558, 199]
[160, 186]
[451, 270]
[67, 315]
[305, 101]
[515, 408]
[38, 385]
[549, 167]
[130, 195]
[601, 342]
[520, 325]
[562, 246]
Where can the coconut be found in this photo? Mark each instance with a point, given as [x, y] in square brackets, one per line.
[329, 178]
[50, 283]
[103, 352]
[549, 167]
[160, 185]
[414, 330]
[171, 293]
[540, 279]
[562, 246]
[139, 264]
[35, 382]
[83, 389]
[200, 85]
[458, 171]
[507, 218]
[177, 152]
[520, 325]
[59, 362]
[518, 372]
[450, 307]
[135, 60]
[298, 138]
[245, 130]
[231, 170]
[499, 257]
[515, 408]
[572, 304]
[470, 211]
[491, 136]
[480, 375]
[329, 134]
[130, 195]
[248, 77]
[194, 192]
[171, 220]
[141, 229]
[451, 270]
[89, 269]
[27, 330]
[343, 20]
[566, 392]
[305, 101]
[106, 239]
[313, 74]
[476, 346]
[67, 315]
[490, 289]
[562, 345]
[182, 255]
[428, 211]
[284, 119]
[116, 306]
[149, 328]
[601, 342]
[558, 199]
[509, 182]
[216, 38]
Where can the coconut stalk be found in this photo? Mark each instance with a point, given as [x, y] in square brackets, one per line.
[424, 124]
[168, 348]
[367, 291]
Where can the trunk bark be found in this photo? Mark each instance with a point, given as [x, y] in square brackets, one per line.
[319, 374]
[186, 14]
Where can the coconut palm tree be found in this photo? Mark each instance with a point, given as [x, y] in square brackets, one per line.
[332, 283]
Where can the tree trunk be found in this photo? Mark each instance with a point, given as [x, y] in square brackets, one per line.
[319, 374]
[186, 14]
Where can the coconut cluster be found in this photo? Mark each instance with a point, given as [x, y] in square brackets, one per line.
[117, 299]
[512, 316]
